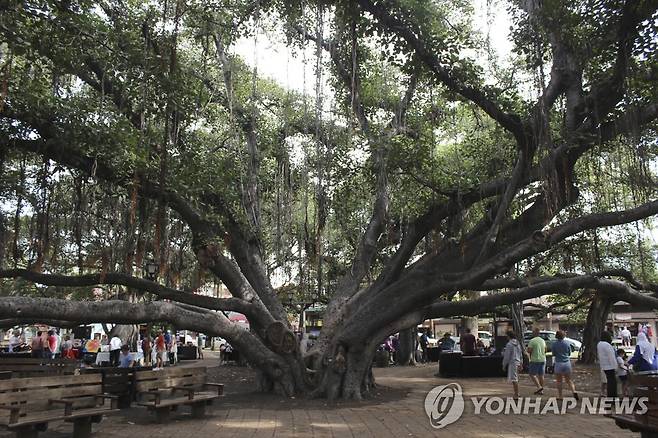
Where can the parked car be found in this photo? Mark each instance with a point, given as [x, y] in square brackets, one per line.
[549, 337]
[485, 337]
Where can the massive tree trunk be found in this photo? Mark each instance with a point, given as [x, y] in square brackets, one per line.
[595, 324]
[406, 352]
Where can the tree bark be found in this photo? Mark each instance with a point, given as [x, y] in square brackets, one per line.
[596, 320]
[405, 354]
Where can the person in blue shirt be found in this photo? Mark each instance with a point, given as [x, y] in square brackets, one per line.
[447, 343]
[644, 358]
[562, 355]
[125, 358]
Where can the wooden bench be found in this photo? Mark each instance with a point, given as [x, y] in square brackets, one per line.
[27, 405]
[643, 384]
[119, 382]
[30, 367]
[160, 390]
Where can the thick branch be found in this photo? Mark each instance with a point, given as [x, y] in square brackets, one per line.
[115, 278]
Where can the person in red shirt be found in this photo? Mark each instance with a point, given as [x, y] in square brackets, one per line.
[52, 343]
[160, 349]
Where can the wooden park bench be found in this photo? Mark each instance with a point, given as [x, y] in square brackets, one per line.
[166, 389]
[644, 384]
[119, 382]
[27, 405]
[31, 367]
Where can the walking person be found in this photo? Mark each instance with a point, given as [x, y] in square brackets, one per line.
[512, 361]
[115, 350]
[562, 355]
[608, 363]
[537, 366]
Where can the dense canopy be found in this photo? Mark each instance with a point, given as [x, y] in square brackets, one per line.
[417, 164]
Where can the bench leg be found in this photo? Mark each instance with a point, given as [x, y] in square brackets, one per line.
[162, 414]
[198, 410]
[27, 432]
[82, 427]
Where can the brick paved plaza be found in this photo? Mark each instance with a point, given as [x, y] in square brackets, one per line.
[401, 415]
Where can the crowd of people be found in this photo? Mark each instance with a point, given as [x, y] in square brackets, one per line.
[614, 363]
[154, 351]
[535, 353]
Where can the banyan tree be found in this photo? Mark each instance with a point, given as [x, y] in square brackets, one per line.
[405, 166]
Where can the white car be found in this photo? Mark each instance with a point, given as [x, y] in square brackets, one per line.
[485, 337]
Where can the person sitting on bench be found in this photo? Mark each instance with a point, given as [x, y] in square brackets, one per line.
[125, 358]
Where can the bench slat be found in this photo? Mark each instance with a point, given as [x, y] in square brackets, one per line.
[32, 382]
[148, 375]
[198, 398]
[168, 382]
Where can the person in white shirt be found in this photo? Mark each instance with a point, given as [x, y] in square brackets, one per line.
[115, 350]
[608, 362]
[14, 341]
[625, 337]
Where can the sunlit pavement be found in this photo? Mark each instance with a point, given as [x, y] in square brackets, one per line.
[268, 416]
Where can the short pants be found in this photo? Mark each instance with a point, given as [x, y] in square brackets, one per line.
[536, 368]
[562, 368]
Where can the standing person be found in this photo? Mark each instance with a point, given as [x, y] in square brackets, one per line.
[45, 345]
[468, 343]
[562, 354]
[424, 342]
[146, 349]
[115, 350]
[644, 358]
[173, 352]
[37, 345]
[608, 362]
[622, 371]
[199, 347]
[396, 346]
[160, 350]
[14, 341]
[512, 361]
[537, 366]
[67, 346]
[167, 338]
[53, 343]
[625, 337]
